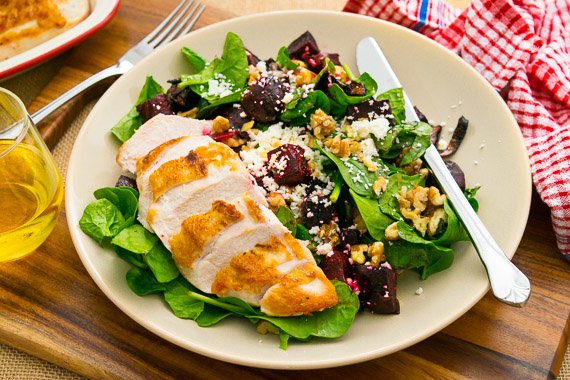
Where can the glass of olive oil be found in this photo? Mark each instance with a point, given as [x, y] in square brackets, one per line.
[31, 189]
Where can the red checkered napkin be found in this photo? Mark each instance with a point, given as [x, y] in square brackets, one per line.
[523, 49]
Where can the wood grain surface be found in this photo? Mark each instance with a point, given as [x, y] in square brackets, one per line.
[51, 308]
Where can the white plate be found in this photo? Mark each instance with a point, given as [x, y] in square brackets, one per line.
[102, 11]
[442, 85]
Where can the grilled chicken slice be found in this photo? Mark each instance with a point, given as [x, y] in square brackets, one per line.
[199, 198]
[156, 131]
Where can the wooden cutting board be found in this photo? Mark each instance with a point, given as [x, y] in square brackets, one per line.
[51, 308]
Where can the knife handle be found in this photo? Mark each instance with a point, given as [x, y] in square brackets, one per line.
[508, 283]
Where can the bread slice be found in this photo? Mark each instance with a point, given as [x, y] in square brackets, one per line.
[30, 23]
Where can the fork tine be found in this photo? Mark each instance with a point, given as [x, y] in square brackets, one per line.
[166, 30]
[193, 21]
[156, 30]
[187, 23]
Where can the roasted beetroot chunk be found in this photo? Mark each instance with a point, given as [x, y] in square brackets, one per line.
[377, 289]
[371, 109]
[317, 210]
[336, 266]
[288, 165]
[235, 114]
[304, 47]
[262, 100]
[123, 180]
[181, 99]
[152, 107]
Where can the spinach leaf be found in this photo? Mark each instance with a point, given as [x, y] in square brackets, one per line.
[413, 136]
[232, 98]
[426, 258]
[329, 323]
[181, 304]
[231, 67]
[376, 221]
[284, 61]
[454, 230]
[470, 194]
[388, 202]
[161, 263]
[101, 220]
[355, 174]
[287, 218]
[299, 110]
[136, 239]
[438, 257]
[124, 197]
[196, 61]
[129, 123]
[396, 98]
[337, 93]
[142, 282]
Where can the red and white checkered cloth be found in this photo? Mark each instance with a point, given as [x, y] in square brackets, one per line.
[523, 49]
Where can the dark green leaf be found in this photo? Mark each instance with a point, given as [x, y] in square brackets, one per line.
[286, 217]
[284, 61]
[142, 282]
[160, 262]
[299, 112]
[196, 61]
[129, 123]
[136, 239]
[376, 221]
[101, 220]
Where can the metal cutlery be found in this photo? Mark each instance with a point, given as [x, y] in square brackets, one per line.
[178, 23]
[508, 283]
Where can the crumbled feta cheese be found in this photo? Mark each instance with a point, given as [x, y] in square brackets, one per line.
[419, 291]
[378, 127]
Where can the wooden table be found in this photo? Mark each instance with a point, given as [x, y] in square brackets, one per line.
[52, 309]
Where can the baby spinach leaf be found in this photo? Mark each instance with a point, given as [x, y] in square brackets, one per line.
[354, 173]
[376, 221]
[136, 239]
[129, 123]
[142, 282]
[101, 220]
[130, 257]
[337, 93]
[124, 197]
[181, 304]
[161, 263]
[231, 67]
[283, 59]
[396, 98]
[470, 194]
[196, 61]
[454, 230]
[299, 111]
[413, 136]
[388, 202]
[287, 218]
[438, 257]
[426, 258]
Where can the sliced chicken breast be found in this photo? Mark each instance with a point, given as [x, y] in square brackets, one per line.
[197, 195]
[155, 132]
[166, 215]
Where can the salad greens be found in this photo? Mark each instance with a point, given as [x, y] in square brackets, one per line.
[154, 271]
[374, 191]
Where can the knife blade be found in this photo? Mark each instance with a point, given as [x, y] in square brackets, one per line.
[508, 283]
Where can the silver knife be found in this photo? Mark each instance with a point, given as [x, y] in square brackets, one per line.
[508, 283]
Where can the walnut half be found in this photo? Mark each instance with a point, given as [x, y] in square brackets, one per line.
[423, 206]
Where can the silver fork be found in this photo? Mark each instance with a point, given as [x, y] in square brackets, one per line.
[179, 22]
